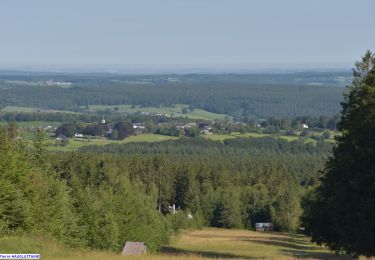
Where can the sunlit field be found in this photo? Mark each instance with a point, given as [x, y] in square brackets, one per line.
[208, 243]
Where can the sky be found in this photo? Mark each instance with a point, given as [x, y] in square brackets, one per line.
[185, 33]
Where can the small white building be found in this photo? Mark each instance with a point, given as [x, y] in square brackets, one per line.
[263, 227]
[78, 135]
[207, 130]
[139, 128]
[305, 126]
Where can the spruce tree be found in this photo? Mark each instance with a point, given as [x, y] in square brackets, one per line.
[341, 212]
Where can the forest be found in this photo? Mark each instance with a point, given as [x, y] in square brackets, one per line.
[98, 197]
[256, 96]
[105, 196]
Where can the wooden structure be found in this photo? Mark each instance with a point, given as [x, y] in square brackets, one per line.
[134, 248]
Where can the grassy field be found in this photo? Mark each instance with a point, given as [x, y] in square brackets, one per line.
[175, 111]
[75, 143]
[33, 123]
[133, 109]
[19, 109]
[208, 243]
[32, 110]
[243, 244]
[222, 137]
[203, 114]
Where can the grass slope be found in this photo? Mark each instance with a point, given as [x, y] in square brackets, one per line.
[208, 243]
[243, 244]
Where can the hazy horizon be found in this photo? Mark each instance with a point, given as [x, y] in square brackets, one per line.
[184, 35]
[182, 69]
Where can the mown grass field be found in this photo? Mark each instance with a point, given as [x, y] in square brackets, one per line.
[209, 243]
[244, 244]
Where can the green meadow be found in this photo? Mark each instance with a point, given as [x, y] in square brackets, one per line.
[32, 110]
[173, 111]
[75, 143]
[222, 137]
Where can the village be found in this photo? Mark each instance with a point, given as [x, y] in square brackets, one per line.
[121, 130]
[112, 129]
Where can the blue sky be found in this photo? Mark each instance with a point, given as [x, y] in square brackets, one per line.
[196, 33]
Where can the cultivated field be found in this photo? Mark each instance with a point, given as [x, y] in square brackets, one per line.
[208, 243]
